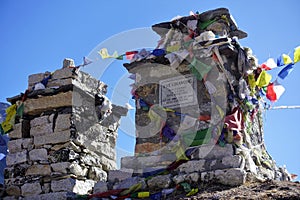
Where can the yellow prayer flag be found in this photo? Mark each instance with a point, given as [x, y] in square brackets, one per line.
[286, 59]
[173, 48]
[263, 79]
[251, 81]
[143, 194]
[11, 111]
[104, 54]
[297, 54]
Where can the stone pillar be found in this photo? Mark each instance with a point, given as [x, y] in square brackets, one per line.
[194, 102]
[63, 142]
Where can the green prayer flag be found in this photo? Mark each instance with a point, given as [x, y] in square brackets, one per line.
[199, 69]
[205, 24]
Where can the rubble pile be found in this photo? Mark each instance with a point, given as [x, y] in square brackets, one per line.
[64, 138]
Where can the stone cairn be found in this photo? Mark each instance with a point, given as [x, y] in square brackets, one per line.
[63, 142]
[198, 120]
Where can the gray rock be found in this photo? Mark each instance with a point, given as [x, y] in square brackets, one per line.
[30, 189]
[62, 122]
[97, 174]
[38, 154]
[66, 185]
[193, 177]
[213, 151]
[127, 183]
[42, 170]
[53, 138]
[231, 177]
[27, 143]
[16, 158]
[15, 145]
[61, 167]
[41, 121]
[44, 129]
[100, 187]
[54, 195]
[119, 175]
[84, 187]
[78, 170]
[13, 190]
[179, 178]
[192, 166]
[160, 182]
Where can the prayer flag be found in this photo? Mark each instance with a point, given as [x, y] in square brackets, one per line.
[280, 61]
[130, 54]
[263, 79]
[274, 91]
[286, 71]
[269, 64]
[286, 59]
[86, 61]
[104, 54]
[297, 54]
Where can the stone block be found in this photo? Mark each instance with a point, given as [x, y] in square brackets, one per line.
[27, 143]
[20, 130]
[160, 182]
[30, 189]
[84, 187]
[127, 183]
[53, 138]
[36, 78]
[16, 158]
[61, 167]
[62, 122]
[192, 166]
[13, 190]
[42, 170]
[100, 187]
[141, 162]
[59, 82]
[38, 154]
[54, 195]
[148, 147]
[63, 73]
[41, 104]
[41, 121]
[119, 175]
[213, 152]
[65, 185]
[41, 130]
[15, 145]
[231, 177]
[78, 170]
[97, 174]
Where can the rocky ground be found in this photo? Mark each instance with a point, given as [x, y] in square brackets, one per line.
[257, 190]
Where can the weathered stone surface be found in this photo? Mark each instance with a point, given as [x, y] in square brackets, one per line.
[41, 121]
[20, 130]
[59, 82]
[78, 170]
[63, 73]
[44, 129]
[161, 182]
[97, 174]
[46, 187]
[192, 166]
[27, 143]
[16, 158]
[13, 190]
[179, 178]
[62, 122]
[141, 162]
[91, 160]
[213, 152]
[15, 145]
[83, 187]
[66, 185]
[54, 195]
[100, 187]
[61, 167]
[232, 177]
[233, 162]
[52, 138]
[30, 189]
[42, 170]
[38, 154]
[39, 105]
[127, 183]
[119, 175]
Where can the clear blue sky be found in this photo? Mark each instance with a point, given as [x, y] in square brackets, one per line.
[35, 36]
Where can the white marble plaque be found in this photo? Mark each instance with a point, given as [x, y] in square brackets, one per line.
[178, 91]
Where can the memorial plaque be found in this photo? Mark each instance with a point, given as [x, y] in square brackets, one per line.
[178, 91]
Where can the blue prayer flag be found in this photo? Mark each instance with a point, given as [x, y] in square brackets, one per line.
[286, 71]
